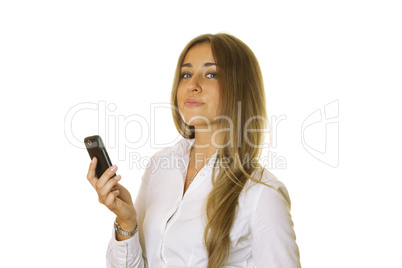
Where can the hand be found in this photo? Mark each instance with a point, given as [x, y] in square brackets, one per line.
[113, 195]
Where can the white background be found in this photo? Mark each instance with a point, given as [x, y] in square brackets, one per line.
[55, 55]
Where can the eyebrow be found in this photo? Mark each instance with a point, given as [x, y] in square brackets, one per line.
[207, 64]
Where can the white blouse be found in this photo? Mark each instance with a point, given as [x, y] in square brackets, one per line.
[262, 234]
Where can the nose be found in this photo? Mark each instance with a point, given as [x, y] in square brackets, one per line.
[194, 84]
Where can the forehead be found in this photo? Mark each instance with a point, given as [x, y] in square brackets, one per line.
[199, 53]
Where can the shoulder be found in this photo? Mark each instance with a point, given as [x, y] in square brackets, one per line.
[268, 189]
[168, 158]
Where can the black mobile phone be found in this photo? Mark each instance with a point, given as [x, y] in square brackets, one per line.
[97, 149]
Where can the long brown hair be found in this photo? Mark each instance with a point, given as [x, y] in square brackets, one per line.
[242, 100]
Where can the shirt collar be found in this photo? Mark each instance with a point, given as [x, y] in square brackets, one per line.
[183, 148]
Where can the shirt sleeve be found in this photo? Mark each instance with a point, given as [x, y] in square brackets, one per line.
[273, 237]
[129, 253]
[125, 253]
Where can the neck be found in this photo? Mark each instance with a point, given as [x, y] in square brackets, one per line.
[205, 146]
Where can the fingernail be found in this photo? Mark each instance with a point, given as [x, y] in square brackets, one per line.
[113, 168]
[118, 177]
[93, 160]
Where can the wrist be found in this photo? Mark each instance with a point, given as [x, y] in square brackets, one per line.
[127, 225]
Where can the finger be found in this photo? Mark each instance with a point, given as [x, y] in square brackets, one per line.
[105, 177]
[111, 200]
[124, 194]
[91, 175]
[108, 187]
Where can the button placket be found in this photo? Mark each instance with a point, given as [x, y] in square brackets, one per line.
[166, 228]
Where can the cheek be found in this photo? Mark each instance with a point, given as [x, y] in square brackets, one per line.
[179, 96]
[180, 101]
[217, 100]
[181, 89]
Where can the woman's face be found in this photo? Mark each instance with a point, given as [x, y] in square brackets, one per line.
[198, 89]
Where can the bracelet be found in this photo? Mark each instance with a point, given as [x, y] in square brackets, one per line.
[122, 232]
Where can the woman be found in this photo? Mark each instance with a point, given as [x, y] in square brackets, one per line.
[216, 206]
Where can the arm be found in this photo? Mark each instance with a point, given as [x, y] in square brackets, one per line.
[273, 237]
[128, 252]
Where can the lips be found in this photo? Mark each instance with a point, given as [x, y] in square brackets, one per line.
[193, 102]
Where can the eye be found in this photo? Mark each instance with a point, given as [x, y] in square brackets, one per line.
[212, 75]
[186, 75]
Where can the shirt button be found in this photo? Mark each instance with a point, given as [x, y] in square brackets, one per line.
[122, 251]
[202, 174]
